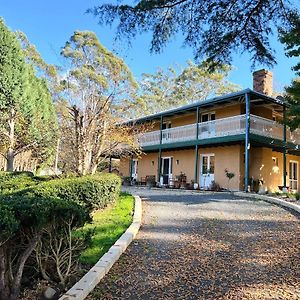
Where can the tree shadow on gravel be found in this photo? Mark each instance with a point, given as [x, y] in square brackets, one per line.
[210, 259]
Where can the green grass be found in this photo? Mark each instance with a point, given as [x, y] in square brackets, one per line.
[108, 224]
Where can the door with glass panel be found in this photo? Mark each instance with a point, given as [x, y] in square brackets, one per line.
[293, 175]
[207, 125]
[166, 170]
[134, 170]
[207, 170]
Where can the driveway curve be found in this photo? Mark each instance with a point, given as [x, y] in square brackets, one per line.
[207, 246]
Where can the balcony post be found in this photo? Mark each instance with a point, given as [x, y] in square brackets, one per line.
[159, 151]
[197, 147]
[284, 189]
[247, 142]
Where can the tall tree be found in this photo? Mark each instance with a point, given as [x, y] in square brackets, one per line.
[172, 88]
[214, 29]
[290, 37]
[98, 86]
[27, 120]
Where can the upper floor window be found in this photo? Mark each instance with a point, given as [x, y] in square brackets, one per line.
[210, 116]
[166, 125]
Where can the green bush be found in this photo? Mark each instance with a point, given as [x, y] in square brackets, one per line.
[93, 191]
[11, 182]
[41, 216]
[24, 221]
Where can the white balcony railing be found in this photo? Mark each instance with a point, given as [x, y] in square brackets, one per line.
[265, 127]
[219, 128]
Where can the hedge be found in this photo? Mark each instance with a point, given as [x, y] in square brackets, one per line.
[33, 214]
[93, 191]
[11, 182]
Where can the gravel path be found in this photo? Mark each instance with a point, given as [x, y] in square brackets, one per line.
[207, 246]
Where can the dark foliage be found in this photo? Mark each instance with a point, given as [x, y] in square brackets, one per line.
[214, 28]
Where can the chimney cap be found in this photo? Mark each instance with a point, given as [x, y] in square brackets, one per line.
[262, 71]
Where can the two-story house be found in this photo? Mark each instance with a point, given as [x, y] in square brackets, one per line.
[241, 132]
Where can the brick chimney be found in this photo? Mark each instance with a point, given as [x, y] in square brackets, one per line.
[263, 82]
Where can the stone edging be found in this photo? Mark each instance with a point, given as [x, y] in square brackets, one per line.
[87, 283]
[272, 200]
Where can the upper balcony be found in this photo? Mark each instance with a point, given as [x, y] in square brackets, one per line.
[220, 128]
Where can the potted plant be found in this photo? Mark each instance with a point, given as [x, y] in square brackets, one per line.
[126, 180]
[229, 176]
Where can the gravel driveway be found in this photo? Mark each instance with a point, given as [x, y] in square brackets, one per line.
[207, 246]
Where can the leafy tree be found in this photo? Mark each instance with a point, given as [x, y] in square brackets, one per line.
[214, 29]
[168, 89]
[27, 120]
[291, 39]
[97, 87]
[50, 74]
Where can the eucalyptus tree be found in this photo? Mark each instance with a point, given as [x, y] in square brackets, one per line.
[98, 86]
[171, 88]
[214, 29]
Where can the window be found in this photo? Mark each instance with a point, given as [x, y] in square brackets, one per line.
[166, 125]
[211, 116]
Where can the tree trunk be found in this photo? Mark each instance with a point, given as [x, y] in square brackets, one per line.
[11, 153]
[15, 291]
[10, 160]
[4, 281]
[56, 157]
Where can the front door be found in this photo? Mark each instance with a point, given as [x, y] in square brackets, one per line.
[293, 175]
[166, 170]
[134, 170]
[207, 170]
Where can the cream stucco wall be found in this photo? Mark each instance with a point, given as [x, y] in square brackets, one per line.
[226, 157]
[263, 167]
[184, 162]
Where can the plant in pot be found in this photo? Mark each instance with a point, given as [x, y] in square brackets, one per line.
[126, 180]
[229, 176]
[150, 181]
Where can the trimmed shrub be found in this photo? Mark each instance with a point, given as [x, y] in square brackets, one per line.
[26, 219]
[93, 191]
[42, 216]
[11, 182]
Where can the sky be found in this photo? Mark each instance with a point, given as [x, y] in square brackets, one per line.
[49, 24]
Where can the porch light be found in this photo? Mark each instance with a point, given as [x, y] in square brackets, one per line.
[177, 161]
[152, 162]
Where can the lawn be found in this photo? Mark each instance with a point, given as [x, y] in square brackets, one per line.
[108, 224]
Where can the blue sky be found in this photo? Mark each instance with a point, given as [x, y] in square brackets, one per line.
[49, 24]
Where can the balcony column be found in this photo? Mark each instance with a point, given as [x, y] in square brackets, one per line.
[159, 151]
[284, 189]
[197, 147]
[247, 142]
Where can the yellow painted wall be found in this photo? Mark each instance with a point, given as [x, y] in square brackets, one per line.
[231, 157]
[261, 111]
[262, 167]
[228, 111]
[227, 157]
[145, 165]
[124, 166]
[182, 120]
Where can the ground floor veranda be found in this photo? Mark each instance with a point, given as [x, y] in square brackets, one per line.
[207, 166]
